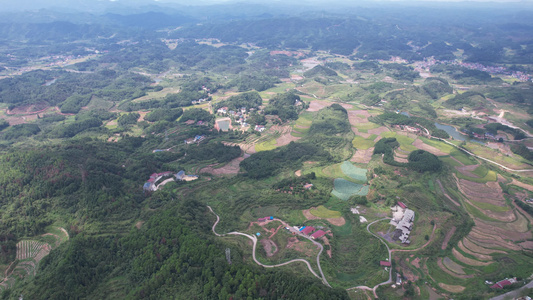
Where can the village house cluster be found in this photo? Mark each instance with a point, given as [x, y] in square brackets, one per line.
[151, 184]
[402, 219]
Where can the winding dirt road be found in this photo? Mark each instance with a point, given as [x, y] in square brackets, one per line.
[363, 287]
[254, 241]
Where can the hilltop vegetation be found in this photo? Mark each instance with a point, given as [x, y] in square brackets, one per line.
[332, 118]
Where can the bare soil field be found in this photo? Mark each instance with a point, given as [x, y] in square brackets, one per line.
[286, 136]
[527, 245]
[522, 185]
[298, 173]
[467, 170]
[32, 109]
[490, 241]
[363, 156]
[478, 249]
[478, 256]
[453, 266]
[447, 238]
[490, 192]
[231, 168]
[416, 262]
[423, 146]
[268, 245]
[452, 288]
[468, 261]
[401, 160]
[501, 232]
[379, 130]
[317, 105]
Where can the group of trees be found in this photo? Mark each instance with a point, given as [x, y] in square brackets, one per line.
[286, 106]
[267, 163]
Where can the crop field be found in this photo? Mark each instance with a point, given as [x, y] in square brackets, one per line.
[354, 172]
[323, 212]
[488, 177]
[344, 189]
[267, 145]
[442, 146]
[365, 127]
[453, 266]
[462, 157]
[406, 143]
[361, 143]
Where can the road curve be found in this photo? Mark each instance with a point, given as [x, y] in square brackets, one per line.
[362, 287]
[254, 241]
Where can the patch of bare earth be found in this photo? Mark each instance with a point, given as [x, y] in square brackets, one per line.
[423, 146]
[443, 267]
[467, 170]
[468, 261]
[363, 156]
[139, 224]
[231, 168]
[416, 262]
[317, 105]
[522, 185]
[298, 173]
[379, 130]
[447, 238]
[452, 288]
[527, 245]
[268, 245]
[478, 249]
[286, 136]
[474, 254]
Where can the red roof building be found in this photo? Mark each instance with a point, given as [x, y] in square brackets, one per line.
[503, 283]
[402, 205]
[384, 263]
[318, 234]
[307, 230]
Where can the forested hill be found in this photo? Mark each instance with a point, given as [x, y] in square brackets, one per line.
[173, 255]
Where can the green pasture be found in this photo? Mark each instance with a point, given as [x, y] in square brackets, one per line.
[361, 143]
[405, 141]
[353, 172]
[323, 212]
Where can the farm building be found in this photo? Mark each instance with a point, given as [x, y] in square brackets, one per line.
[259, 128]
[318, 234]
[403, 225]
[307, 230]
[503, 283]
[385, 263]
[308, 186]
[181, 176]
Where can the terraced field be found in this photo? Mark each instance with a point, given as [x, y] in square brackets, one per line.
[30, 253]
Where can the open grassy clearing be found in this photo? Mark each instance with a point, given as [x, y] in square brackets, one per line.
[496, 156]
[362, 143]
[344, 189]
[354, 172]
[442, 146]
[405, 141]
[365, 127]
[489, 176]
[323, 212]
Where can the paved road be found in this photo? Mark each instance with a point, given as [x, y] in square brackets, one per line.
[513, 294]
[390, 269]
[254, 241]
